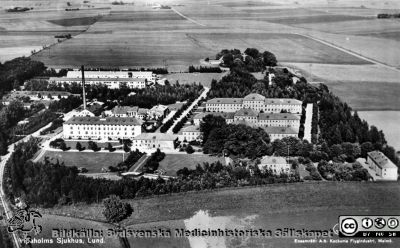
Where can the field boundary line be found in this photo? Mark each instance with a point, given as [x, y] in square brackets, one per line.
[358, 55]
[188, 18]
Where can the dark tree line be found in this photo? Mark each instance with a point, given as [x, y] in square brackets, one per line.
[253, 60]
[47, 184]
[13, 73]
[204, 69]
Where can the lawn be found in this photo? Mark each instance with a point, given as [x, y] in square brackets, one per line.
[174, 162]
[93, 161]
[312, 206]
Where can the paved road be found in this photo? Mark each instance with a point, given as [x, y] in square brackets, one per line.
[186, 112]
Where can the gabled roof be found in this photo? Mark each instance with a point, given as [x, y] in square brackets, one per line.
[246, 112]
[225, 115]
[277, 116]
[273, 160]
[191, 128]
[93, 120]
[282, 101]
[381, 160]
[119, 110]
[225, 101]
[156, 136]
[280, 130]
[254, 97]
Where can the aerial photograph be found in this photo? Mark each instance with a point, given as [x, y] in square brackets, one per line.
[199, 123]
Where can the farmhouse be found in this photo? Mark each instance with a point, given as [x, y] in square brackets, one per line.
[147, 141]
[110, 128]
[277, 165]
[383, 166]
[255, 102]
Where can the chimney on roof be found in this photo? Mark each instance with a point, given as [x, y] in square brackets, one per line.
[83, 87]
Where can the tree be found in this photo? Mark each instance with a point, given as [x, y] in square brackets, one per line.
[93, 146]
[126, 147]
[116, 210]
[63, 146]
[110, 147]
[189, 149]
[79, 146]
[269, 59]
[209, 123]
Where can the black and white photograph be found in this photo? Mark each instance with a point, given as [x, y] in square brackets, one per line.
[199, 123]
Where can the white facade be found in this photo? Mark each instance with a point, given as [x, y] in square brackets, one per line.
[277, 165]
[149, 141]
[111, 83]
[106, 129]
[382, 165]
[256, 102]
[190, 133]
[149, 75]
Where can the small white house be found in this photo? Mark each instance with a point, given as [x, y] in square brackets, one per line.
[383, 166]
[277, 165]
[190, 133]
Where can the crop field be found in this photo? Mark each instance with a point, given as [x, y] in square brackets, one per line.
[353, 27]
[80, 21]
[388, 121]
[174, 162]
[351, 73]
[394, 35]
[312, 206]
[287, 47]
[51, 222]
[368, 95]
[92, 161]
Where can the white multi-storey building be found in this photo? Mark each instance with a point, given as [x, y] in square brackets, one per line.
[382, 165]
[110, 128]
[251, 117]
[256, 102]
[111, 79]
[146, 141]
[111, 83]
[190, 133]
[127, 111]
[150, 76]
[277, 165]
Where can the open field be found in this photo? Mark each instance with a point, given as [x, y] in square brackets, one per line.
[174, 162]
[352, 73]
[368, 95]
[184, 49]
[312, 206]
[189, 78]
[90, 160]
[51, 222]
[388, 121]
[352, 27]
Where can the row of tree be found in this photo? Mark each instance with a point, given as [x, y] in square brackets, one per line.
[47, 184]
[204, 69]
[253, 61]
